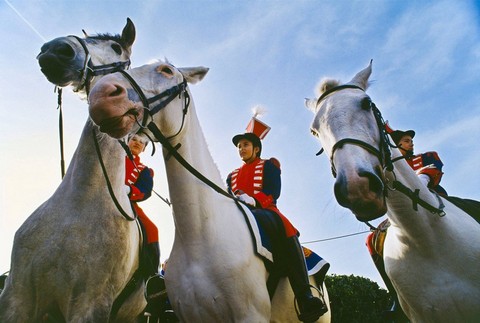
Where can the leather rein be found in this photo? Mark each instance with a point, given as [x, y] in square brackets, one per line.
[87, 73]
[165, 98]
[383, 153]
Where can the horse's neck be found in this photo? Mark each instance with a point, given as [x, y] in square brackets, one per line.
[196, 206]
[85, 174]
[400, 207]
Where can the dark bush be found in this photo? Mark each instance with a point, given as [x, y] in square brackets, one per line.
[355, 299]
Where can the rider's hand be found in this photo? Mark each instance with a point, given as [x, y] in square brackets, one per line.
[247, 199]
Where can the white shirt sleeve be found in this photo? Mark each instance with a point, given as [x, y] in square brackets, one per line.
[424, 178]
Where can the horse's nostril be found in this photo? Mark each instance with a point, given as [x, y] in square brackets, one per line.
[64, 50]
[118, 90]
[374, 182]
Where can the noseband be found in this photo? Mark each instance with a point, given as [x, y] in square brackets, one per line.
[382, 153]
[165, 98]
[89, 70]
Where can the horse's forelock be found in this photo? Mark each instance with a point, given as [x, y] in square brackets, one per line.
[325, 85]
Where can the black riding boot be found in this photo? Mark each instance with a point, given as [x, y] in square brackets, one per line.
[310, 307]
[152, 253]
[155, 286]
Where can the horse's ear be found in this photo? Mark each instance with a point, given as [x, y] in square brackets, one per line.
[128, 33]
[311, 104]
[194, 74]
[361, 79]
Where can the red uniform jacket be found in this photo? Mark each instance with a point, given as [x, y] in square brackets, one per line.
[140, 180]
[428, 163]
[261, 180]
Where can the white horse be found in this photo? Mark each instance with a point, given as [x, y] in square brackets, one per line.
[76, 61]
[431, 252]
[75, 254]
[214, 274]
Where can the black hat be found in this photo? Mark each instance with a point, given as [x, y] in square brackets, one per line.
[398, 134]
[248, 136]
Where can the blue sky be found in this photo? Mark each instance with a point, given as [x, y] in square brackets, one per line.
[426, 73]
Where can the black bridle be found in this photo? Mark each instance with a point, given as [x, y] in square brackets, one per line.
[89, 70]
[383, 154]
[166, 97]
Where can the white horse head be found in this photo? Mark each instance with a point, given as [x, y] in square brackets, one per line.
[74, 61]
[213, 272]
[358, 183]
[75, 254]
[431, 259]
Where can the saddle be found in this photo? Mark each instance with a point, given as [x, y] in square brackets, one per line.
[266, 229]
[376, 238]
[471, 207]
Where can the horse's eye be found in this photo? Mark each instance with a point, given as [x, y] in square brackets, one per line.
[165, 70]
[366, 104]
[117, 48]
[314, 132]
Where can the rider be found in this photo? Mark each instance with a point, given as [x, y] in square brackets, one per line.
[257, 183]
[428, 166]
[139, 185]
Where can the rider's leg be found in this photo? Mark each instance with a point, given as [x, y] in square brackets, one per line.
[310, 307]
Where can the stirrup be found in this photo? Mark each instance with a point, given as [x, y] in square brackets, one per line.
[155, 287]
[313, 315]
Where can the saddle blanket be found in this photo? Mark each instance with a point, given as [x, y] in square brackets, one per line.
[315, 263]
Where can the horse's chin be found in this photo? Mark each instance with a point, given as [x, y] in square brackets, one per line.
[369, 211]
[118, 127]
[61, 82]
[56, 73]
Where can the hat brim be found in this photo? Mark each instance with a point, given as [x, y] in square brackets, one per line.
[398, 134]
[410, 133]
[248, 136]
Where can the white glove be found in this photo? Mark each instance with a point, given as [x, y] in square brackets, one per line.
[127, 189]
[424, 178]
[247, 199]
